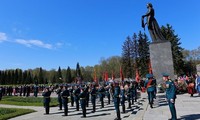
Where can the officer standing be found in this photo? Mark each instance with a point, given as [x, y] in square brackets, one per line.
[101, 95]
[117, 100]
[123, 98]
[76, 96]
[82, 97]
[108, 93]
[129, 96]
[65, 95]
[58, 92]
[150, 85]
[93, 98]
[71, 91]
[46, 94]
[35, 90]
[87, 95]
[170, 95]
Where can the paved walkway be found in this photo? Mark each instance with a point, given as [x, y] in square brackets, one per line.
[188, 108]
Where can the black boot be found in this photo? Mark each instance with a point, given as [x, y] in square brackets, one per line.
[118, 115]
[123, 108]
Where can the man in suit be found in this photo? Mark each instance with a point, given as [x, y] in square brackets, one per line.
[46, 94]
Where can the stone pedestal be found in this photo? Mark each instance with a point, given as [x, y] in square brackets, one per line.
[161, 60]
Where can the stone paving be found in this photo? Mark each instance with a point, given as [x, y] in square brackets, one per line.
[188, 108]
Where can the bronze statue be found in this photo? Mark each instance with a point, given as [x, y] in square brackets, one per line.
[152, 25]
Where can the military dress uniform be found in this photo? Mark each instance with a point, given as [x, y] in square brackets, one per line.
[46, 94]
[129, 97]
[87, 96]
[82, 97]
[171, 96]
[76, 97]
[65, 94]
[101, 96]
[123, 99]
[93, 98]
[117, 101]
[150, 85]
[71, 91]
[59, 97]
[108, 94]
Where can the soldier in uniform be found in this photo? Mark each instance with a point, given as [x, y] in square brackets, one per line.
[102, 95]
[123, 98]
[58, 91]
[76, 96]
[117, 100]
[93, 97]
[65, 95]
[71, 91]
[108, 93]
[129, 96]
[150, 85]
[35, 90]
[82, 97]
[170, 95]
[46, 94]
[87, 95]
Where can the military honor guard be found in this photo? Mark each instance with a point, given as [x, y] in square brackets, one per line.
[150, 84]
[64, 95]
[170, 95]
[58, 91]
[93, 97]
[123, 99]
[82, 97]
[76, 96]
[128, 93]
[117, 100]
[46, 94]
[71, 91]
[108, 94]
[101, 95]
[87, 95]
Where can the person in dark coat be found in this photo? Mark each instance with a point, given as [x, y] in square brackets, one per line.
[150, 84]
[108, 94]
[87, 96]
[101, 95]
[76, 96]
[93, 97]
[65, 94]
[170, 95]
[58, 92]
[71, 91]
[117, 100]
[82, 97]
[128, 93]
[46, 94]
[123, 98]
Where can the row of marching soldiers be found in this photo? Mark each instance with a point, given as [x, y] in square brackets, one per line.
[119, 92]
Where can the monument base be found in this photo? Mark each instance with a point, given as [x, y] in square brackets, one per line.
[161, 60]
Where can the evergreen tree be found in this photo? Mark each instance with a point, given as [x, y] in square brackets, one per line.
[59, 76]
[143, 53]
[68, 75]
[41, 76]
[135, 53]
[177, 55]
[126, 58]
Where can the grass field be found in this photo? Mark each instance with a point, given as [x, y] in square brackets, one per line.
[26, 101]
[6, 113]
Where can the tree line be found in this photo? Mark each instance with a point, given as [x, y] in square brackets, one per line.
[135, 57]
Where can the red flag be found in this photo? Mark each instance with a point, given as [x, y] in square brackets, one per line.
[137, 76]
[150, 68]
[121, 74]
[106, 76]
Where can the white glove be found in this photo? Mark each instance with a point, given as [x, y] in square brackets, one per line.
[172, 100]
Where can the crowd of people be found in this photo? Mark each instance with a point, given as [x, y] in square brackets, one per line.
[82, 94]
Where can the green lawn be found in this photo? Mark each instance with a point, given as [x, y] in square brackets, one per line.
[6, 113]
[26, 101]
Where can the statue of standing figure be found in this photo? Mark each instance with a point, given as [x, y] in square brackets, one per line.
[152, 25]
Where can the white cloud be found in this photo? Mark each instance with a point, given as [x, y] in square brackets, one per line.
[3, 37]
[30, 43]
